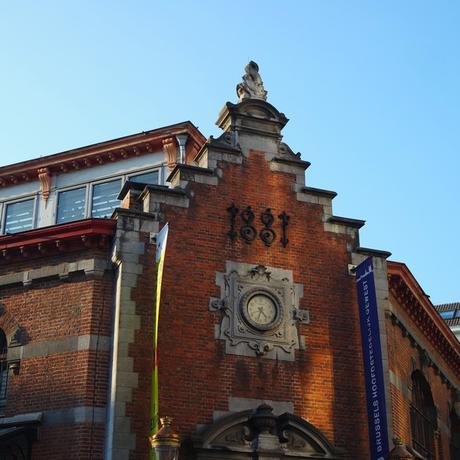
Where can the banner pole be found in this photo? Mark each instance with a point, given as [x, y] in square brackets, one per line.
[162, 238]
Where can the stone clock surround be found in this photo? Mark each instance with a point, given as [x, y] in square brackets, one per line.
[240, 283]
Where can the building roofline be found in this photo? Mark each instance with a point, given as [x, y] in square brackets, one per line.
[419, 303]
[98, 153]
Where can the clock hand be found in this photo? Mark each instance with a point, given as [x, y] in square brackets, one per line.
[261, 312]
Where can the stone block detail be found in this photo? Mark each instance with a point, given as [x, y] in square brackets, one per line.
[248, 291]
[88, 266]
[129, 246]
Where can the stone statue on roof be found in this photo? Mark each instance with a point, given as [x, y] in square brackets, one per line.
[252, 85]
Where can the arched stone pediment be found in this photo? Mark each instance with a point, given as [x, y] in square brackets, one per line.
[254, 116]
[260, 109]
[257, 433]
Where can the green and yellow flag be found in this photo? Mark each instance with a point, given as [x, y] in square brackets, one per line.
[160, 259]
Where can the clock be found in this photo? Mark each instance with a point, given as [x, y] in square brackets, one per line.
[261, 310]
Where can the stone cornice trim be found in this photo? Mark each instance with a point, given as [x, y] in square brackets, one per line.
[91, 267]
[354, 223]
[71, 344]
[319, 191]
[153, 196]
[415, 341]
[406, 290]
[86, 233]
[373, 252]
[188, 170]
[292, 162]
[102, 152]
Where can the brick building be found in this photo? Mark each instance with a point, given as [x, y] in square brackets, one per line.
[259, 342]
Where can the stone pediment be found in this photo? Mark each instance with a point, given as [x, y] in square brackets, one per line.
[254, 433]
[252, 115]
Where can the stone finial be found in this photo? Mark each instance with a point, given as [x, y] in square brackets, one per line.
[252, 85]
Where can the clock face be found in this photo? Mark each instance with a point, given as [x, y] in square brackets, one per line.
[261, 310]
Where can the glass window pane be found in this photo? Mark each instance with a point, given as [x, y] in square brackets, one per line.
[71, 205]
[105, 198]
[447, 314]
[146, 178]
[18, 216]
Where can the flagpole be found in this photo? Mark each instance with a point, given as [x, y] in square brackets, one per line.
[162, 238]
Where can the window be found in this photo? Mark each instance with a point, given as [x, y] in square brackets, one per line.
[104, 199]
[96, 200]
[3, 368]
[147, 178]
[19, 216]
[447, 314]
[71, 205]
[423, 416]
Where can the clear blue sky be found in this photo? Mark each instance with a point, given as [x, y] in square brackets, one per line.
[371, 89]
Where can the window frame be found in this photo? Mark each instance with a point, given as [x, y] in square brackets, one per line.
[89, 185]
[91, 193]
[139, 173]
[69, 189]
[422, 423]
[4, 206]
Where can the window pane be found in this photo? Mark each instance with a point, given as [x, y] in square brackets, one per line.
[19, 216]
[105, 198]
[447, 314]
[71, 205]
[146, 178]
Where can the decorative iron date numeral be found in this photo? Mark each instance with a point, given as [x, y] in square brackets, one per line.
[267, 235]
[248, 232]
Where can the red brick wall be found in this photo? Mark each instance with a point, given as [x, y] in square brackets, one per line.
[403, 354]
[142, 352]
[325, 382]
[51, 310]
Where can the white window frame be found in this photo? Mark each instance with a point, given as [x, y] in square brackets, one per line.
[90, 184]
[4, 205]
[68, 189]
[91, 187]
[160, 170]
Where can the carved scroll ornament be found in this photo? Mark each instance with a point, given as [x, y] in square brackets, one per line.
[44, 177]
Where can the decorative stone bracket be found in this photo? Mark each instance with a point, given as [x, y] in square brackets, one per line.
[44, 177]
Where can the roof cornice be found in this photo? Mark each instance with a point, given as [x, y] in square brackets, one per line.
[47, 241]
[406, 290]
[100, 153]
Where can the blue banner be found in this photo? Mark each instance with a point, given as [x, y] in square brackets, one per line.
[372, 354]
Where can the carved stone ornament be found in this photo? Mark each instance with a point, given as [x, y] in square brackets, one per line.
[170, 150]
[260, 311]
[252, 86]
[252, 433]
[45, 183]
